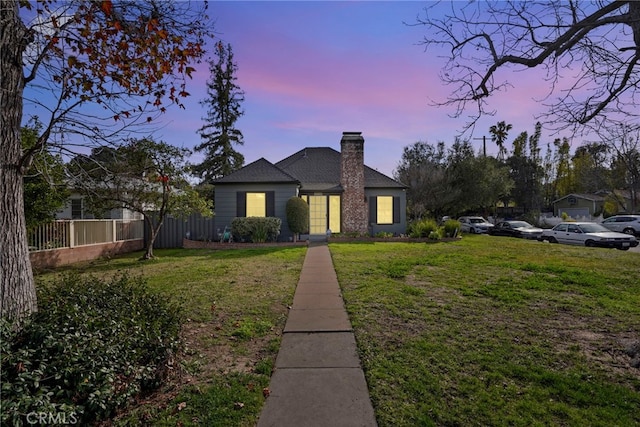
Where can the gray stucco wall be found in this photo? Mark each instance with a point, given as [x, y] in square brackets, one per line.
[226, 203]
[398, 228]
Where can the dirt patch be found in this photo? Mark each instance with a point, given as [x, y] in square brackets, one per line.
[207, 353]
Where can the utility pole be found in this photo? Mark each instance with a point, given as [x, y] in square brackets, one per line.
[484, 145]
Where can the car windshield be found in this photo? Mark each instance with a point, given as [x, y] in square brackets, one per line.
[520, 224]
[593, 228]
[476, 220]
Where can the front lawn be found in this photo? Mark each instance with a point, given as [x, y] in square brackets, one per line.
[234, 305]
[495, 331]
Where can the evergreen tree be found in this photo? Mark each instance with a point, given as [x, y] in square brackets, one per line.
[219, 133]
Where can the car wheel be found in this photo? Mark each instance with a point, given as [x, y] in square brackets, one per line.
[472, 230]
[590, 243]
[629, 231]
[552, 240]
[624, 249]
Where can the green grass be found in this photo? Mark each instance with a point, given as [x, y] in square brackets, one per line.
[235, 306]
[494, 331]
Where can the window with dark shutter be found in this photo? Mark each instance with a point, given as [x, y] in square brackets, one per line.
[241, 204]
[271, 203]
[373, 210]
[396, 210]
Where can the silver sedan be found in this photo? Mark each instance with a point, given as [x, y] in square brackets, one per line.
[588, 234]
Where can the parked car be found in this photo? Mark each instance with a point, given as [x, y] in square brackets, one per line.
[520, 229]
[629, 224]
[588, 234]
[474, 224]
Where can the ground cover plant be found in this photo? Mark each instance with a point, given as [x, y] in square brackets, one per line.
[94, 345]
[495, 331]
[233, 305]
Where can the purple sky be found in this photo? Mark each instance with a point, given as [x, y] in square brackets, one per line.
[311, 70]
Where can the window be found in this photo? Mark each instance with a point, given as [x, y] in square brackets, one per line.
[334, 214]
[76, 208]
[256, 204]
[385, 210]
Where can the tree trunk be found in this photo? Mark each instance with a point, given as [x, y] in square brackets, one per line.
[17, 287]
[154, 229]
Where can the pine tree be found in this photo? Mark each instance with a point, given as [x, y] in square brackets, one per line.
[219, 134]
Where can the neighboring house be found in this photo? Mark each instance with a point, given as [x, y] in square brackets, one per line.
[579, 205]
[344, 195]
[592, 205]
[75, 208]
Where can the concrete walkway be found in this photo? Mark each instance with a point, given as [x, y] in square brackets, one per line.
[318, 380]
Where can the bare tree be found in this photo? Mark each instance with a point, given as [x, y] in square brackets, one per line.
[589, 50]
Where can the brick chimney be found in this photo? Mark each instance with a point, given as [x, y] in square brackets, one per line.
[354, 206]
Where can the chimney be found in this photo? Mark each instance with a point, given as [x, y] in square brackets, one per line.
[354, 206]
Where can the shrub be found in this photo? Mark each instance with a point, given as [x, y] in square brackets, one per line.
[94, 345]
[256, 229]
[422, 228]
[384, 235]
[434, 235]
[451, 228]
[297, 215]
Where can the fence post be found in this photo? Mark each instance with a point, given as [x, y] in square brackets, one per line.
[72, 234]
[114, 231]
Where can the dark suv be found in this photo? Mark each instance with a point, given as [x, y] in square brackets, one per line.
[629, 224]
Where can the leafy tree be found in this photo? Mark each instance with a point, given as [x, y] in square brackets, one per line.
[526, 171]
[499, 133]
[478, 182]
[45, 188]
[594, 44]
[564, 180]
[96, 68]
[423, 169]
[219, 133]
[143, 176]
[590, 168]
[297, 216]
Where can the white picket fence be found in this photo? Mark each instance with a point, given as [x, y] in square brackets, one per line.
[73, 233]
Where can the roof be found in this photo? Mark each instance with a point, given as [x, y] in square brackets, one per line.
[314, 168]
[590, 197]
[318, 168]
[261, 171]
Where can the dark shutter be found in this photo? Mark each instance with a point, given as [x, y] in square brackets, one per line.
[271, 203]
[373, 210]
[241, 204]
[396, 210]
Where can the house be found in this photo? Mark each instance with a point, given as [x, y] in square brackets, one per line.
[76, 208]
[344, 195]
[592, 205]
[579, 205]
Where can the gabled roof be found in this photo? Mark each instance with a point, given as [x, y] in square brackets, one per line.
[318, 168]
[261, 171]
[314, 168]
[590, 197]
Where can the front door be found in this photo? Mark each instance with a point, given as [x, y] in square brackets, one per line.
[317, 214]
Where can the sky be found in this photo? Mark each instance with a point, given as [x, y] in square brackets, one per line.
[311, 70]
